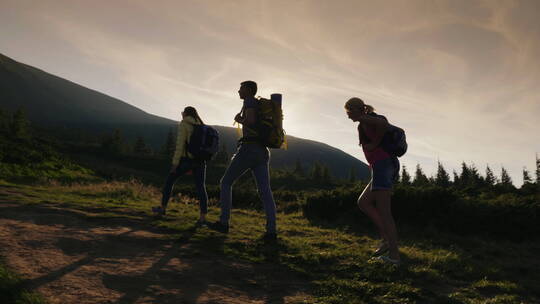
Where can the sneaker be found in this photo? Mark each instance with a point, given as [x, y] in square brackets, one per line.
[158, 211]
[383, 248]
[388, 260]
[218, 226]
[200, 224]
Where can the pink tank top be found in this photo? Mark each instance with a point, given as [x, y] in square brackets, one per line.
[378, 154]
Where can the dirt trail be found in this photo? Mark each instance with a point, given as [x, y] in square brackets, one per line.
[71, 258]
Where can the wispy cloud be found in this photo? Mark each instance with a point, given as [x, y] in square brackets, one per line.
[460, 76]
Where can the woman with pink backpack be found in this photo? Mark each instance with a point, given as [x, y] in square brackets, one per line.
[381, 143]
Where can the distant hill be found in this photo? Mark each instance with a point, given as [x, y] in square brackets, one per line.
[54, 102]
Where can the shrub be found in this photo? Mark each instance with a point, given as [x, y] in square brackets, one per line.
[509, 215]
[330, 205]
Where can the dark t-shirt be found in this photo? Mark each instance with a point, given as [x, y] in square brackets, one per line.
[250, 131]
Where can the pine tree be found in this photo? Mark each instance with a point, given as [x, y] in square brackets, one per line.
[443, 178]
[537, 170]
[405, 176]
[20, 126]
[490, 177]
[117, 141]
[316, 172]
[505, 178]
[420, 179]
[140, 146]
[325, 174]
[170, 144]
[113, 143]
[475, 179]
[456, 178]
[526, 177]
[352, 175]
[298, 168]
[465, 176]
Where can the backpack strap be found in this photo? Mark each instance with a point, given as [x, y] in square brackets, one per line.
[361, 134]
[250, 139]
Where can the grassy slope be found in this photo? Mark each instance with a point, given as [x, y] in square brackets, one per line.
[438, 269]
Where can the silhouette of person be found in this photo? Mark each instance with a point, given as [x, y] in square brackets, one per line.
[183, 163]
[375, 200]
[250, 155]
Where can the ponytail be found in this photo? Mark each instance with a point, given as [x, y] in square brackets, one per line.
[369, 109]
[356, 103]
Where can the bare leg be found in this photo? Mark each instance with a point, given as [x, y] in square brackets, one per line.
[383, 199]
[366, 202]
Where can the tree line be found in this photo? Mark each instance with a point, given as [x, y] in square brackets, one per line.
[18, 127]
[469, 177]
[116, 144]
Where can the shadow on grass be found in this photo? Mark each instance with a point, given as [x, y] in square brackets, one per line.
[175, 264]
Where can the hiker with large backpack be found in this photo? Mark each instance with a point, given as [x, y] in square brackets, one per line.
[261, 128]
[382, 144]
[195, 144]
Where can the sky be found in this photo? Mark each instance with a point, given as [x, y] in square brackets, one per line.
[461, 77]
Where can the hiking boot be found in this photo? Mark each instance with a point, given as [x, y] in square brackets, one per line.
[219, 226]
[158, 211]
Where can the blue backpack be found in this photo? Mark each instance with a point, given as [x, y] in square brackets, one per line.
[204, 142]
[394, 141]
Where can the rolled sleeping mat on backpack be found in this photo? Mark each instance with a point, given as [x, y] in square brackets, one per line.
[276, 99]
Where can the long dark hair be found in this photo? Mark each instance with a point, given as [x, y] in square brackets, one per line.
[191, 111]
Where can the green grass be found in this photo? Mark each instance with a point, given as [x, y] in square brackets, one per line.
[46, 171]
[11, 290]
[437, 267]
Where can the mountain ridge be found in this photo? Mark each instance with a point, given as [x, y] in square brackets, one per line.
[55, 102]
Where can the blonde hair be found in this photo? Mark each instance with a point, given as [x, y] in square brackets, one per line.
[356, 103]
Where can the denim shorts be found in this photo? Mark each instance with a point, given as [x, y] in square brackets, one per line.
[384, 173]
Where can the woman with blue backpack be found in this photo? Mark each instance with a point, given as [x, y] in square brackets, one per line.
[186, 160]
[382, 143]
